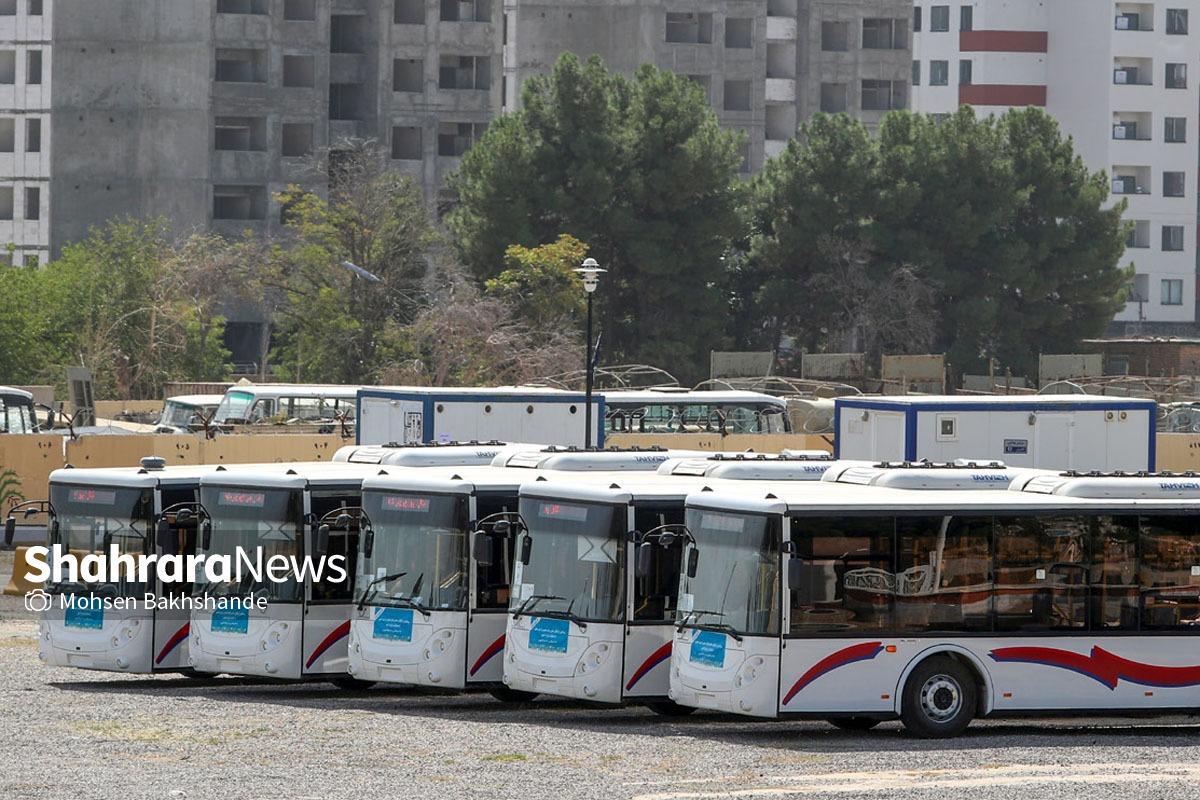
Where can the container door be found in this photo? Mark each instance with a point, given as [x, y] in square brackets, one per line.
[1054, 441]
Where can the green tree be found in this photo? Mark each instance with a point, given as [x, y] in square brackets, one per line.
[637, 168]
[25, 350]
[539, 282]
[333, 323]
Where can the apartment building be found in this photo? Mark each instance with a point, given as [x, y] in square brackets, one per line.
[1121, 79]
[25, 91]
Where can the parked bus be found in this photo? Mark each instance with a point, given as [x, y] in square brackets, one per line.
[680, 411]
[428, 454]
[187, 412]
[596, 579]
[287, 403]
[435, 564]
[16, 411]
[859, 603]
[146, 510]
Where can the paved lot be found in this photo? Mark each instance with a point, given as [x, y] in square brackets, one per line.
[73, 734]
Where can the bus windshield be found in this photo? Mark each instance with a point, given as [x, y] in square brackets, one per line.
[422, 539]
[16, 414]
[243, 521]
[577, 563]
[234, 406]
[688, 417]
[88, 517]
[737, 573]
[181, 415]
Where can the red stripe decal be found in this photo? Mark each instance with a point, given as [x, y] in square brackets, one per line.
[657, 657]
[174, 641]
[341, 631]
[486, 655]
[865, 651]
[1101, 665]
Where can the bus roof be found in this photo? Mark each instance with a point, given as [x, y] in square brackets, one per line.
[750, 466]
[669, 396]
[576, 460]
[136, 477]
[1095, 485]
[927, 474]
[294, 476]
[195, 399]
[277, 390]
[475, 479]
[612, 488]
[428, 454]
[13, 391]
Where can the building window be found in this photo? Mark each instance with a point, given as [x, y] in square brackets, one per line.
[883, 95]
[241, 6]
[33, 67]
[8, 135]
[455, 138]
[239, 202]
[299, 72]
[685, 27]
[964, 72]
[833, 98]
[737, 96]
[835, 37]
[1172, 292]
[939, 73]
[8, 66]
[705, 84]
[1175, 130]
[297, 139]
[884, 34]
[8, 8]
[739, 33]
[1177, 21]
[6, 202]
[33, 203]
[916, 73]
[466, 11]
[406, 143]
[33, 135]
[408, 75]
[1138, 235]
[1173, 184]
[242, 66]
[1176, 76]
[916, 19]
[300, 10]
[1172, 238]
[34, 9]
[939, 19]
[347, 33]
[240, 133]
[966, 18]
[409, 12]
[465, 72]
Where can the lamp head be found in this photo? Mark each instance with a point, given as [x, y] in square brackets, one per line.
[590, 273]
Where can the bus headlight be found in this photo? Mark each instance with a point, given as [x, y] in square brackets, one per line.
[593, 658]
[274, 636]
[439, 643]
[125, 633]
[748, 671]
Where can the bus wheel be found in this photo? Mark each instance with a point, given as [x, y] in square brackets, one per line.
[939, 699]
[351, 684]
[198, 676]
[507, 695]
[668, 708]
[854, 723]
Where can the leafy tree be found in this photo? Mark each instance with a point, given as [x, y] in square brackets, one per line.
[336, 324]
[637, 168]
[25, 349]
[539, 282]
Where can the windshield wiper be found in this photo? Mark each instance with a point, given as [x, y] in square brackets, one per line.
[723, 627]
[533, 600]
[411, 600]
[567, 615]
[369, 590]
[695, 613]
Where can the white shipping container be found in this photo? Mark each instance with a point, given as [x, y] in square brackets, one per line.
[1085, 432]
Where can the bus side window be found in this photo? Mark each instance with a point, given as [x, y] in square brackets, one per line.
[1114, 574]
[846, 582]
[1170, 573]
[341, 543]
[943, 573]
[186, 536]
[655, 594]
[492, 580]
[1042, 572]
[260, 412]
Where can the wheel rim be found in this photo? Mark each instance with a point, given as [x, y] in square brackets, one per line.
[941, 698]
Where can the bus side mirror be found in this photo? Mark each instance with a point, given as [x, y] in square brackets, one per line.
[54, 532]
[10, 530]
[106, 541]
[644, 560]
[368, 545]
[526, 549]
[165, 538]
[693, 561]
[321, 541]
[795, 573]
[483, 550]
[206, 535]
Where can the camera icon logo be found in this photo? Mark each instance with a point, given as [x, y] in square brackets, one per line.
[38, 601]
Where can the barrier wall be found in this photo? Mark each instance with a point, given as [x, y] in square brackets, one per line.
[1178, 452]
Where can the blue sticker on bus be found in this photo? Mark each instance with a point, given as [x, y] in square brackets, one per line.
[1016, 447]
[708, 648]
[231, 620]
[393, 623]
[86, 615]
[549, 635]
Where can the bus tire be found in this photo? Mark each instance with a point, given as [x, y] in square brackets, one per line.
[513, 696]
[669, 708]
[854, 723]
[939, 699]
[346, 683]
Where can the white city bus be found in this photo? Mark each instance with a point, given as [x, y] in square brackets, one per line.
[435, 564]
[294, 511]
[144, 510]
[859, 604]
[596, 578]
[324, 405]
[681, 411]
[429, 454]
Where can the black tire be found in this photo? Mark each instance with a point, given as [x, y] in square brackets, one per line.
[514, 696]
[669, 708]
[346, 683]
[939, 699]
[198, 676]
[854, 723]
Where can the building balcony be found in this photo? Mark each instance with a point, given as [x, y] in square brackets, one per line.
[781, 90]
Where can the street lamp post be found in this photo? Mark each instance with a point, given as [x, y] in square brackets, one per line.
[590, 272]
